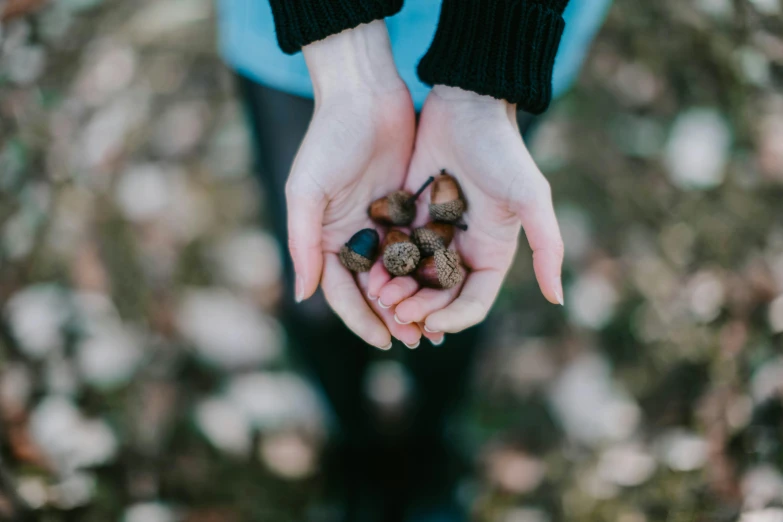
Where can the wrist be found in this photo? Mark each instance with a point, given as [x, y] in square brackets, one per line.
[357, 60]
[462, 97]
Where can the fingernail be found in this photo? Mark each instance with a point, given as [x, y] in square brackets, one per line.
[438, 342]
[559, 291]
[428, 330]
[413, 346]
[380, 303]
[371, 297]
[397, 319]
[299, 289]
[387, 347]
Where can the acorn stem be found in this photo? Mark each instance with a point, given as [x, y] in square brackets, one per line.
[459, 224]
[427, 183]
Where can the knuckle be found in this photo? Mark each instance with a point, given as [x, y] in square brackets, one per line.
[294, 244]
[558, 248]
[298, 189]
[542, 195]
[290, 188]
[544, 187]
[529, 193]
[519, 192]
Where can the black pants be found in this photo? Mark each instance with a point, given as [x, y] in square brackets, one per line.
[334, 356]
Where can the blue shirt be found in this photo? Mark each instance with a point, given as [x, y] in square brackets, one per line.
[249, 45]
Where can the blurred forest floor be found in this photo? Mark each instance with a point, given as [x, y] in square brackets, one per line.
[144, 377]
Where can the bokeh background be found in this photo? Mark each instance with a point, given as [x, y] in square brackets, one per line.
[144, 377]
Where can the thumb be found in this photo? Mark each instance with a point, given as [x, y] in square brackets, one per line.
[543, 234]
[305, 222]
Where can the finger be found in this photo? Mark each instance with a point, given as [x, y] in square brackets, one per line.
[436, 338]
[409, 334]
[378, 277]
[543, 234]
[471, 307]
[396, 290]
[305, 221]
[347, 301]
[425, 302]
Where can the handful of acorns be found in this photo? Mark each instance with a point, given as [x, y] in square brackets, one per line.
[425, 252]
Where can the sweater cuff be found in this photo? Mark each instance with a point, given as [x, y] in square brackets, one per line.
[302, 22]
[502, 48]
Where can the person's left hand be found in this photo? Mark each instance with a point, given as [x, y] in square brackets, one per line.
[476, 139]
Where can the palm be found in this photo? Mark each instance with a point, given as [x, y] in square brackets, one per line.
[361, 158]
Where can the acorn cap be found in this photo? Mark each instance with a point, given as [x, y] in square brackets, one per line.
[353, 261]
[442, 270]
[446, 201]
[359, 253]
[401, 258]
[398, 208]
[448, 212]
[432, 237]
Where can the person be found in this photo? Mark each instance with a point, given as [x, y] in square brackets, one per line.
[353, 117]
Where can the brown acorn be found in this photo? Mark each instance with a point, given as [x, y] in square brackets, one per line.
[398, 208]
[432, 236]
[446, 201]
[400, 255]
[442, 270]
[360, 252]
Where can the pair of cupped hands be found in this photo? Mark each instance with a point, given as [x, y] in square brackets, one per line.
[363, 143]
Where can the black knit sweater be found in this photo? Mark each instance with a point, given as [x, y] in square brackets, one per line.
[502, 48]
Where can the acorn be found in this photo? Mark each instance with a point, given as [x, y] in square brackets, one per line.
[400, 255]
[446, 201]
[360, 252]
[442, 270]
[432, 236]
[398, 208]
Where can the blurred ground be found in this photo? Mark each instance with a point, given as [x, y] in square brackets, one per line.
[143, 376]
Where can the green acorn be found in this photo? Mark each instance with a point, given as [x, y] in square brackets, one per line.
[360, 252]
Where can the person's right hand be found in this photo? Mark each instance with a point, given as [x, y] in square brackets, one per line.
[356, 149]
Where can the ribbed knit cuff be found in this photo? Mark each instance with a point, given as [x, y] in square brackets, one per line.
[502, 48]
[302, 22]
